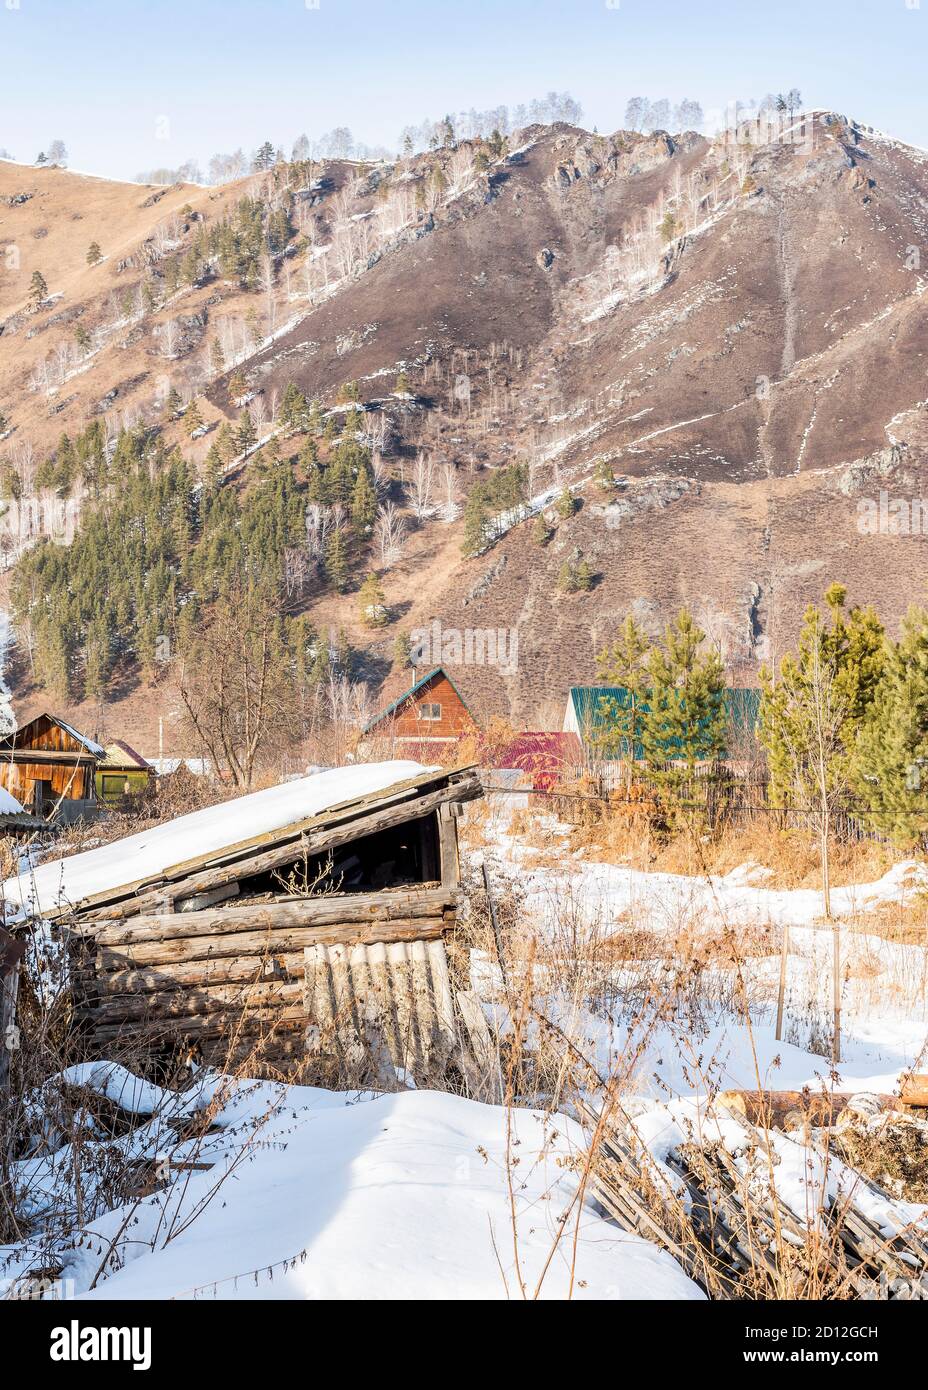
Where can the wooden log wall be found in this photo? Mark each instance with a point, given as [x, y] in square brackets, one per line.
[234, 972]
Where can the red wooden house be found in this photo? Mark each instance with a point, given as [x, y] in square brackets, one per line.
[430, 717]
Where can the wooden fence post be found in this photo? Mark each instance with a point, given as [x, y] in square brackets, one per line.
[836, 993]
[781, 992]
[9, 991]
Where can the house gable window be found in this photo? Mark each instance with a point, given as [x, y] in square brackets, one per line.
[430, 712]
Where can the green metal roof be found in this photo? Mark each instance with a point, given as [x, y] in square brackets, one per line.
[591, 711]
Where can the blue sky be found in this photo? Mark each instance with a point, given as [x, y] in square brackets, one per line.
[103, 74]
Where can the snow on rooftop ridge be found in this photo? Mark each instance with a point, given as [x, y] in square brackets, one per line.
[9, 806]
[215, 828]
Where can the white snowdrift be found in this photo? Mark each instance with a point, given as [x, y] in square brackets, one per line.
[360, 1197]
[203, 832]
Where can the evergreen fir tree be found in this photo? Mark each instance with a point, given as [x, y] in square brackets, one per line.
[193, 420]
[246, 436]
[566, 504]
[336, 559]
[217, 357]
[364, 501]
[684, 724]
[624, 664]
[372, 603]
[38, 289]
[94, 254]
[890, 763]
[238, 387]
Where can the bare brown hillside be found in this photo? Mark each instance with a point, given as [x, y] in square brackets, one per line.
[737, 328]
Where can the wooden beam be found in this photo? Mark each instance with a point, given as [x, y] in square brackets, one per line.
[210, 1024]
[215, 971]
[256, 943]
[324, 910]
[448, 846]
[208, 999]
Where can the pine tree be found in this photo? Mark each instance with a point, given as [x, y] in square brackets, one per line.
[193, 420]
[214, 467]
[94, 254]
[38, 289]
[246, 436]
[293, 410]
[364, 501]
[336, 559]
[476, 519]
[890, 763]
[541, 531]
[225, 442]
[372, 603]
[624, 664]
[566, 504]
[238, 387]
[812, 714]
[173, 404]
[217, 357]
[605, 477]
[684, 724]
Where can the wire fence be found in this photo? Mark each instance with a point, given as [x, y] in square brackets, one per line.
[724, 800]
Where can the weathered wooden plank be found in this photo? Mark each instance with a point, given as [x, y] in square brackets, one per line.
[303, 912]
[211, 1024]
[225, 970]
[448, 846]
[205, 1000]
[272, 942]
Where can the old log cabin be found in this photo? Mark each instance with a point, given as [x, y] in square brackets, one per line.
[309, 917]
[50, 768]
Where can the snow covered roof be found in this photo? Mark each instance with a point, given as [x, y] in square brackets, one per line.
[149, 855]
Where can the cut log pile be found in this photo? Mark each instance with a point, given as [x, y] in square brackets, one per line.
[726, 1224]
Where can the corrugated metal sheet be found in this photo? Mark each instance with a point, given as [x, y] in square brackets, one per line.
[384, 1011]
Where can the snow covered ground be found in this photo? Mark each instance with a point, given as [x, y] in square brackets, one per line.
[427, 1195]
[322, 1195]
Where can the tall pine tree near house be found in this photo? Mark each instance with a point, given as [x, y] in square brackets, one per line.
[890, 763]
[685, 724]
[624, 664]
[844, 649]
